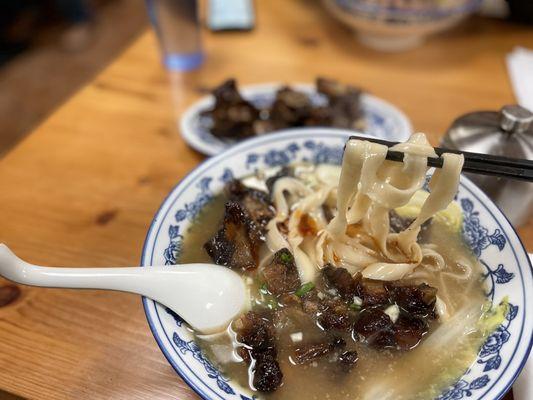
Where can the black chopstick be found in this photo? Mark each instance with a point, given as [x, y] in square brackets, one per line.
[484, 164]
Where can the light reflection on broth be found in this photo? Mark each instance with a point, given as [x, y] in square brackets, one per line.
[417, 374]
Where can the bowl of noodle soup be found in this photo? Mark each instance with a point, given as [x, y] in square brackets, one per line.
[473, 341]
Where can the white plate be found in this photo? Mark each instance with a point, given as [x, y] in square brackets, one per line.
[383, 120]
[485, 230]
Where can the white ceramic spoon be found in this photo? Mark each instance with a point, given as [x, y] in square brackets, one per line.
[207, 296]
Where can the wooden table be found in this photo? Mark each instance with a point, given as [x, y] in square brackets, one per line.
[82, 189]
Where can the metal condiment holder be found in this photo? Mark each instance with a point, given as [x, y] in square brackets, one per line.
[508, 132]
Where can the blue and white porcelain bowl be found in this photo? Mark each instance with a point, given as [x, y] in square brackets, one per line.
[383, 120]
[485, 229]
[398, 25]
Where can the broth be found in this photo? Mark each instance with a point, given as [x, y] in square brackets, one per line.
[421, 373]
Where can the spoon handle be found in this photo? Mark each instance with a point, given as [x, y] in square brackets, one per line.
[206, 296]
[137, 280]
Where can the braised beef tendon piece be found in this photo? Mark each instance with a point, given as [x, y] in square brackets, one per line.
[267, 375]
[312, 351]
[232, 115]
[310, 302]
[320, 116]
[344, 102]
[256, 332]
[378, 330]
[409, 330]
[346, 112]
[372, 292]
[418, 300]
[290, 108]
[415, 300]
[347, 360]
[375, 327]
[329, 313]
[256, 202]
[334, 314]
[342, 281]
[281, 275]
[236, 244]
[257, 335]
[415, 307]
[227, 93]
[333, 89]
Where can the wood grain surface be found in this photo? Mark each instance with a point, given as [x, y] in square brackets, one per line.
[82, 189]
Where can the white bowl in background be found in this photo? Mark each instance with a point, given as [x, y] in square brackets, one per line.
[396, 25]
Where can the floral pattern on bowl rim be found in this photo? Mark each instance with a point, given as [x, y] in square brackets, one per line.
[384, 120]
[509, 272]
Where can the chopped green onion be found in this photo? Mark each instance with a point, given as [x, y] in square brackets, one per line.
[355, 307]
[272, 304]
[264, 289]
[305, 288]
[285, 257]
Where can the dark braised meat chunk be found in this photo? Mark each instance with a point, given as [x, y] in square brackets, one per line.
[329, 313]
[256, 333]
[416, 306]
[247, 213]
[340, 280]
[399, 224]
[281, 275]
[267, 375]
[320, 116]
[334, 314]
[408, 331]
[335, 90]
[290, 108]
[237, 242]
[290, 300]
[415, 300]
[313, 351]
[344, 102]
[227, 93]
[347, 360]
[256, 202]
[379, 331]
[232, 115]
[345, 112]
[375, 327]
[418, 300]
[371, 291]
[282, 173]
[311, 302]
